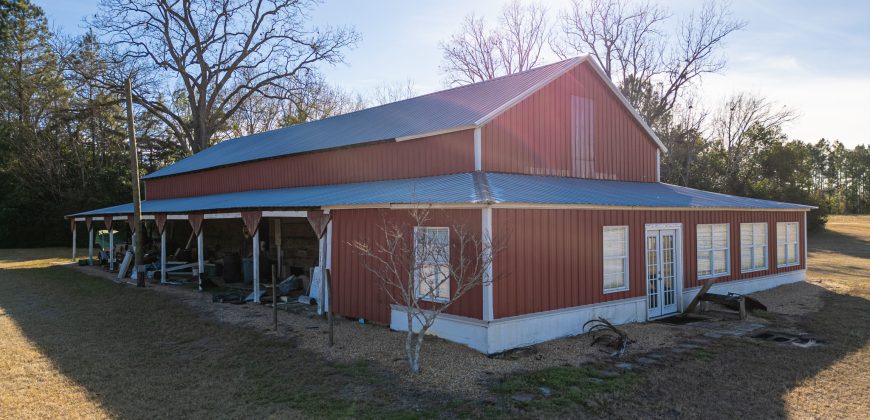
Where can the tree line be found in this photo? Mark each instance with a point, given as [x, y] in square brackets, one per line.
[205, 71]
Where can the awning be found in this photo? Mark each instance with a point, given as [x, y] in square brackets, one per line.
[471, 188]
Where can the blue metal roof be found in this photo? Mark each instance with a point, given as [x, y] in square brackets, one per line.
[449, 109]
[464, 188]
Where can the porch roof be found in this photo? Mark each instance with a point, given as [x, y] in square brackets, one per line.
[471, 188]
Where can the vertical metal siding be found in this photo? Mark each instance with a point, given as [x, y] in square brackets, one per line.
[435, 155]
[534, 136]
[356, 292]
[554, 257]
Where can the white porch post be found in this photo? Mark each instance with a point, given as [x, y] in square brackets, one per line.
[111, 248]
[256, 240]
[74, 242]
[200, 257]
[486, 231]
[91, 245]
[163, 256]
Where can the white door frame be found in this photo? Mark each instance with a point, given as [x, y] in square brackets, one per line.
[678, 261]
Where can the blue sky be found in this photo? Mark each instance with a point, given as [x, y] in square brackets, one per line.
[813, 56]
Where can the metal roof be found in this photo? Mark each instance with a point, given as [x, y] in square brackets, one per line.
[452, 109]
[464, 188]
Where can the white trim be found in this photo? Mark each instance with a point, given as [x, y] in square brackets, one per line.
[503, 334]
[679, 255]
[750, 285]
[404, 206]
[79, 219]
[486, 233]
[658, 165]
[765, 245]
[806, 261]
[285, 214]
[176, 217]
[212, 216]
[433, 133]
[478, 150]
[528, 92]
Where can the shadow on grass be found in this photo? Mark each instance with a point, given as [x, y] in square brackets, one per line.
[839, 242]
[146, 354]
[733, 378]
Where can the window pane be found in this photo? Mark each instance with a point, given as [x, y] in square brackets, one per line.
[745, 258]
[613, 266]
[614, 281]
[704, 237]
[780, 233]
[760, 257]
[791, 228]
[745, 234]
[793, 257]
[780, 254]
[720, 259]
[759, 234]
[704, 264]
[720, 236]
[614, 242]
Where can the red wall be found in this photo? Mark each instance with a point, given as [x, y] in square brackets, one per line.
[435, 155]
[534, 137]
[357, 293]
[554, 257]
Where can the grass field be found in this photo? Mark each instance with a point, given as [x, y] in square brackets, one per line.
[77, 346]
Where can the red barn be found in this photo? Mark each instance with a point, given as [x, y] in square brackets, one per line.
[553, 161]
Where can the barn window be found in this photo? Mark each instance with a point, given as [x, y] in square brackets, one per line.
[787, 249]
[432, 263]
[582, 135]
[753, 246]
[615, 258]
[713, 255]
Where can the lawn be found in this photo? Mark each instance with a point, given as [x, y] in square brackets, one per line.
[74, 345]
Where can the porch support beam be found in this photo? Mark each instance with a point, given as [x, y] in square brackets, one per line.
[256, 240]
[90, 244]
[73, 240]
[163, 257]
[200, 257]
[486, 236]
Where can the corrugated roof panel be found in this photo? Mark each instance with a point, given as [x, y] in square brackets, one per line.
[530, 189]
[465, 188]
[444, 110]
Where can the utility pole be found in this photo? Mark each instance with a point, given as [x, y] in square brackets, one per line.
[137, 203]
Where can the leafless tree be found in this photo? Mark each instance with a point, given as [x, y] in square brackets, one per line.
[735, 118]
[198, 62]
[685, 139]
[631, 44]
[426, 271]
[393, 92]
[478, 52]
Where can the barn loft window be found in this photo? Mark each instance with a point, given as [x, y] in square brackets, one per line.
[713, 255]
[615, 258]
[787, 249]
[432, 263]
[582, 133]
[753, 246]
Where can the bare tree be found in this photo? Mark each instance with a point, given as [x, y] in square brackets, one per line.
[426, 271]
[686, 141]
[221, 53]
[631, 45]
[734, 120]
[478, 52]
[393, 92]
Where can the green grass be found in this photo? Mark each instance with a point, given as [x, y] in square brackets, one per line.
[569, 387]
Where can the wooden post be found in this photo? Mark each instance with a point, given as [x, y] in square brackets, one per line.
[91, 245]
[742, 301]
[163, 257]
[326, 277]
[138, 250]
[200, 258]
[279, 250]
[74, 242]
[275, 297]
[256, 256]
[111, 248]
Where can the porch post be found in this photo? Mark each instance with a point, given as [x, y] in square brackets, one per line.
[90, 244]
[111, 249]
[74, 240]
[200, 257]
[163, 256]
[256, 239]
[486, 228]
[278, 247]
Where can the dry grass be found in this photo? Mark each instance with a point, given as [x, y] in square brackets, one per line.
[75, 345]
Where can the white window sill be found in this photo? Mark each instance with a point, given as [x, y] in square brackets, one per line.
[433, 299]
[788, 265]
[714, 276]
[754, 270]
[621, 289]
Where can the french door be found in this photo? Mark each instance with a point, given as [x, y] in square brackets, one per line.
[662, 271]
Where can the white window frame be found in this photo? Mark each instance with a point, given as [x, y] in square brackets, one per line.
[623, 257]
[753, 246]
[789, 242]
[711, 252]
[446, 283]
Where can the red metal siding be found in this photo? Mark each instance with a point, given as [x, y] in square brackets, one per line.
[357, 292]
[534, 136]
[435, 155]
[554, 257]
